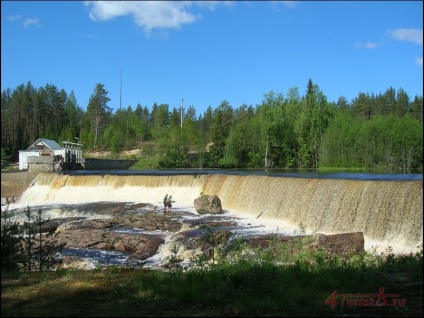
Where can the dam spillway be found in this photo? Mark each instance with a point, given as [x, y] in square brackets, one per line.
[390, 211]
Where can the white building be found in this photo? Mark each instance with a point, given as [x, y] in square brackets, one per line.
[41, 147]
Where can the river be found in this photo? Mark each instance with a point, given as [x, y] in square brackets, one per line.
[387, 208]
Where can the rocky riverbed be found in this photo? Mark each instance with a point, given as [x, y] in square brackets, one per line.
[139, 234]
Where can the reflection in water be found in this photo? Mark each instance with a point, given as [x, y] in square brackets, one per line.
[291, 173]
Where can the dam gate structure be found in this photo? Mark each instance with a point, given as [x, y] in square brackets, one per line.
[73, 156]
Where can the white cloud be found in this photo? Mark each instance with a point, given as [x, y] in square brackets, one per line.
[211, 5]
[27, 21]
[410, 35]
[275, 5]
[290, 4]
[31, 21]
[367, 45]
[150, 14]
[14, 17]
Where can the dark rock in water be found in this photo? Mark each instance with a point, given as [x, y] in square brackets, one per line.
[340, 244]
[201, 238]
[264, 241]
[74, 262]
[208, 204]
[343, 244]
[140, 246]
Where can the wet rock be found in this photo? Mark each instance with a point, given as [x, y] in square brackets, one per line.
[150, 221]
[74, 263]
[199, 242]
[206, 221]
[147, 247]
[140, 246]
[340, 244]
[264, 241]
[139, 230]
[208, 204]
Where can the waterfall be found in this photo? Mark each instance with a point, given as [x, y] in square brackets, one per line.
[384, 210]
[51, 188]
[390, 211]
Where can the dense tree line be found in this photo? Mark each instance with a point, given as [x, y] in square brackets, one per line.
[292, 131]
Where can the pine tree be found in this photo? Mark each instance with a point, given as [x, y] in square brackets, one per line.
[98, 111]
[9, 241]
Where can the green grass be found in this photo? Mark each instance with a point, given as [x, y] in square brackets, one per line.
[146, 163]
[247, 286]
[11, 168]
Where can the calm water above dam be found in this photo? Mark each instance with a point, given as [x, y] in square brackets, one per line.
[271, 173]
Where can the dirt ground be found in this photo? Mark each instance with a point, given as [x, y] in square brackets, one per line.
[105, 154]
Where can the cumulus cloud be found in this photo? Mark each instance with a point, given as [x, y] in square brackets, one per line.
[410, 35]
[150, 15]
[31, 21]
[366, 45]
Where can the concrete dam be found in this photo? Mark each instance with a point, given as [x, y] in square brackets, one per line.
[389, 211]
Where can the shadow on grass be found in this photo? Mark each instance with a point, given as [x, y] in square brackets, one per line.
[241, 289]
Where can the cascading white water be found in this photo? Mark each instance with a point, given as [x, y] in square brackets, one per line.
[383, 210]
[390, 211]
[51, 188]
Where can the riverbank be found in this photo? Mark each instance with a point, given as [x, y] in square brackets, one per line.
[392, 289]
[14, 183]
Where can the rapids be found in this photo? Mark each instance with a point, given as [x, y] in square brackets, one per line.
[386, 211]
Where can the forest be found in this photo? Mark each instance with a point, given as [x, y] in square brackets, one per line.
[291, 130]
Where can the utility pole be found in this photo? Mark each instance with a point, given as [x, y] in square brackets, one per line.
[266, 152]
[120, 90]
[182, 101]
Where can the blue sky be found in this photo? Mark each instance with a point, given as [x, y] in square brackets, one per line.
[208, 52]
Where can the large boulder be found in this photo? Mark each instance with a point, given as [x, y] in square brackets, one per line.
[340, 244]
[140, 246]
[208, 204]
